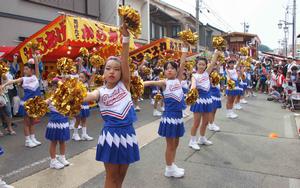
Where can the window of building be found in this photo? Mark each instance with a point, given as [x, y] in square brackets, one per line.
[175, 30]
[152, 30]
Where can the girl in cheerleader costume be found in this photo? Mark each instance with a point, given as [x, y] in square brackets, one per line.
[171, 126]
[217, 104]
[31, 88]
[156, 90]
[243, 84]
[117, 145]
[232, 94]
[57, 132]
[185, 88]
[84, 113]
[239, 87]
[204, 104]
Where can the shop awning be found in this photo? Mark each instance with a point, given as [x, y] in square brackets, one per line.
[64, 36]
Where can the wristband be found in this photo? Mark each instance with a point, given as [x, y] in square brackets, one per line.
[125, 39]
[184, 49]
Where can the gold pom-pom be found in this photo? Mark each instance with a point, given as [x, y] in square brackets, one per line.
[51, 76]
[221, 58]
[189, 66]
[3, 68]
[219, 43]
[36, 107]
[248, 61]
[146, 71]
[158, 97]
[132, 19]
[136, 87]
[65, 65]
[99, 80]
[96, 61]
[191, 97]
[69, 96]
[188, 36]
[84, 51]
[231, 84]
[148, 56]
[162, 76]
[215, 78]
[244, 51]
[34, 45]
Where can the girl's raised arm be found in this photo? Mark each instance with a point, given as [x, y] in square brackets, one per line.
[124, 57]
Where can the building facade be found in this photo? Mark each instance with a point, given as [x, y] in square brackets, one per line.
[21, 18]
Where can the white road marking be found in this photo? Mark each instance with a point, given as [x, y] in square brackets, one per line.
[288, 127]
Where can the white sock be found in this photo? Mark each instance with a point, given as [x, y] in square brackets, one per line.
[84, 130]
[62, 156]
[27, 138]
[169, 167]
[202, 137]
[194, 138]
[52, 160]
[32, 136]
[75, 130]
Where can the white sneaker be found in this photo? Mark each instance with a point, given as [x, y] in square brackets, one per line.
[232, 115]
[137, 108]
[243, 101]
[173, 172]
[34, 140]
[56, 164]
[194, 145]
[79, 127]
[76, 137]
[4, 185]
[213, 127]
[237, 107]
[63, 160]
[204, 141]
[86, 137]
[177, 168]
[156, 113]
[29, 143]
[162, 109]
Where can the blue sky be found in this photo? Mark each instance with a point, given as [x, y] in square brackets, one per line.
[262, 16]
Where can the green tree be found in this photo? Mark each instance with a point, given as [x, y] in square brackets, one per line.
[264, 48]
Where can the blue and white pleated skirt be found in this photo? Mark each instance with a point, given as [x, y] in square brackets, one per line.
[22, 111]
[204, 103]
[216, 97]
[58, 131]
[85, 110]
[171, 125]
[1, 151]
[118, 145]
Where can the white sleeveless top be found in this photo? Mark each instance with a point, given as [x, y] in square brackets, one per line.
[173, 90]
[202, 81]
[232, 74]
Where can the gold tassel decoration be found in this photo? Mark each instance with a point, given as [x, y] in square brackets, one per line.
[69, 96]
[132, 19]
[36, 107]
[84, 52]
[192, 97]
[188, 36]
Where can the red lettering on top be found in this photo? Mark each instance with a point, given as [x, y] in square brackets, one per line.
[116, 96]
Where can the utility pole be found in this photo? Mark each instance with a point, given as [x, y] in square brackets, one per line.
[294, 29]
[197, 24]
[123, 2]
[245, 26]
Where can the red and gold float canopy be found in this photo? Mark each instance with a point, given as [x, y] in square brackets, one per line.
[162, 47]
[65, 35]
